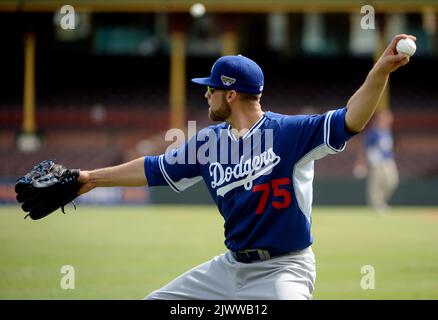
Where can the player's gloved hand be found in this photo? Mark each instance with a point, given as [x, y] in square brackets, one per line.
[47, 187]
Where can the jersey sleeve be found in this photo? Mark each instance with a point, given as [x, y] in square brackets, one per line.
[335, 133]
[327, 131]
[178, 168]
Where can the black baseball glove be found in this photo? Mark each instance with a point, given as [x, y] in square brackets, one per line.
[46, 188]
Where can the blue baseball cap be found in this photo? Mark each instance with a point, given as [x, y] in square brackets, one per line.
[235, 73]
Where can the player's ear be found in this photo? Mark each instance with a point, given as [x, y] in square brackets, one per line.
[230, 95]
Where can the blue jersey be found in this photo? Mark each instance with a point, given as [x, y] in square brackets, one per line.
[260, 182]
[379, 145]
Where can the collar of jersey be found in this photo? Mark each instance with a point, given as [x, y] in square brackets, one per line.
[250, 131]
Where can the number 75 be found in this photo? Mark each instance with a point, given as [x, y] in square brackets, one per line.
[283, 194]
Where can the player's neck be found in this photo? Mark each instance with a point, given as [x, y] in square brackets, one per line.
[243, 119]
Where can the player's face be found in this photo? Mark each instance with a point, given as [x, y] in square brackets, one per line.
[219, 107]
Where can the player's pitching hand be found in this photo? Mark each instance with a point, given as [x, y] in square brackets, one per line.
[390, 60]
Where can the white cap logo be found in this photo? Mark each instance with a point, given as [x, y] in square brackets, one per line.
[227, 81]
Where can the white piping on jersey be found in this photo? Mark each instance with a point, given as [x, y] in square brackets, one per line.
[254, 127]
[165, 175]
[250, 131]
[327, 120]
[180, 185]
[303, 172]
[302, 178]
[230, 134]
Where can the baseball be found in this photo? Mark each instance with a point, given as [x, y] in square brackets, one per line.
[197, 10]
[406, 46]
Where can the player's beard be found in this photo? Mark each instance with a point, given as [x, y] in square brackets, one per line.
[222, 113]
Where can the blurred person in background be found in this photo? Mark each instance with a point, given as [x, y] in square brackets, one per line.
[376, 162]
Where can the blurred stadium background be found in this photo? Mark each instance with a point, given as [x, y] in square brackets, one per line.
[108, 90]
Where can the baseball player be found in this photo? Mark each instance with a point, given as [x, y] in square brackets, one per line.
[258, 167]
[377, 162]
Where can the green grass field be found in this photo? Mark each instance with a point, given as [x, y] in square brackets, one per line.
[126, 252]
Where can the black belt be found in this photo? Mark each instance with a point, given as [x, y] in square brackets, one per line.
[251, 255]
